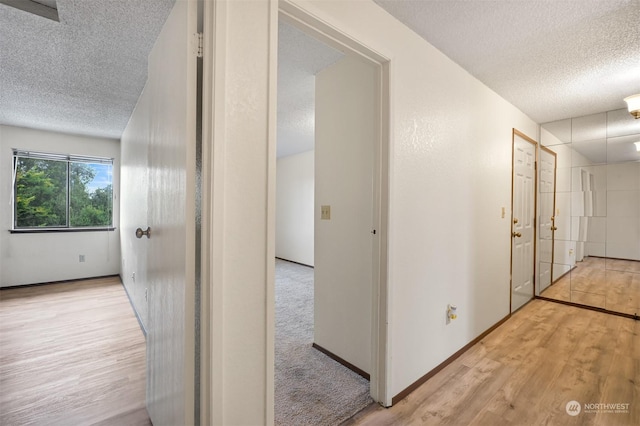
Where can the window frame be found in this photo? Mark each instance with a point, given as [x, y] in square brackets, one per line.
[69, 160]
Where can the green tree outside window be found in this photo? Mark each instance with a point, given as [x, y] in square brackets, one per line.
[62, 193]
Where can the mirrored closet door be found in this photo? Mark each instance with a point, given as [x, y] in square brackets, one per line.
[589, 211]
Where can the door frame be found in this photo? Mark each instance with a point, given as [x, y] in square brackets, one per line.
[553, 219]
[312, 25]
[214, 129]
[515, 132]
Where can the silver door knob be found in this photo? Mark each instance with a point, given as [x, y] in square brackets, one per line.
[140, 232]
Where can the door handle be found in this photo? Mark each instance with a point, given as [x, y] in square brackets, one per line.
[554, 228]
[140, 232]
[516, 234]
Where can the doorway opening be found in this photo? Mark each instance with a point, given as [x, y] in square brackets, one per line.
[329, 212]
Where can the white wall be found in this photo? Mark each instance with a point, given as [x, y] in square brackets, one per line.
[450, 172]
[450, 175]
[345, 144]
[54, 256]
[294, 207]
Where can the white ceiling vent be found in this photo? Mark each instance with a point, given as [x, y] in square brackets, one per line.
[45, 8]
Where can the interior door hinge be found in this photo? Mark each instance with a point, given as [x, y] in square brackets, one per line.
[198, 44]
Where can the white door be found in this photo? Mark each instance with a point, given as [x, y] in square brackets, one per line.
[345, 120]
[546, 221]
[172, 86]
[523, 220]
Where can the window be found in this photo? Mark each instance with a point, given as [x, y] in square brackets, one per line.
[53, 191]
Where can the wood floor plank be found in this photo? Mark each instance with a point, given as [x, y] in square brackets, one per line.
[589, 299]
[458, 400]
[594, 352]
[513, 401]
[487, 417]
[565, 339]
[71, 354]
[628, 341]
[612, 284]
[572, 384]
[526, 371]
[622, 389]
[453, 375]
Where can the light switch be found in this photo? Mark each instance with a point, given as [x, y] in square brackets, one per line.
[325, 212]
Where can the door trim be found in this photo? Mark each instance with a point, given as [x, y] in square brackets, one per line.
[211, 267]
[515, 132]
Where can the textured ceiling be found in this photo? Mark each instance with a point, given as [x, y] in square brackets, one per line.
[300, 57]
[81, 75]
[551, 59]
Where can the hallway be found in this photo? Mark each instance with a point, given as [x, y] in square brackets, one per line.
[528, 370]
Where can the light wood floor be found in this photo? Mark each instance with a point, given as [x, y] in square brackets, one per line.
[71, 354]
[604, 283]
[527, 370]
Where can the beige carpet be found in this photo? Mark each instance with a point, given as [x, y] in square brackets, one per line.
[310, 387]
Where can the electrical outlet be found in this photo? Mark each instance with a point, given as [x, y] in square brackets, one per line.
[81, 258]
[452, 313]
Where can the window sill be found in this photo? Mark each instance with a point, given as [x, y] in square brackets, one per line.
[48, 230]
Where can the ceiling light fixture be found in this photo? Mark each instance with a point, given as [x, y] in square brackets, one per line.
[633, 104]
[637, 144]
